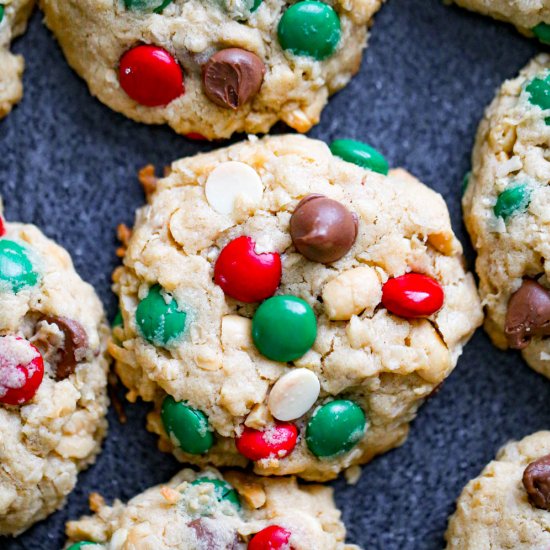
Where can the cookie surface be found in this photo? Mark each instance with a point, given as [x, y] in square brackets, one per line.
[53, 371]
[200, 510]
[530, 17]
[213, 67]
[320, 376]
[506, 211]
[13, 21]
[496, 509]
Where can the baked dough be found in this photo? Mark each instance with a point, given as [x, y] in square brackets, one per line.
[367, 368]
[188, 514]
[13, 21]
[531, 17]
[494, 510]
[95, 35]
[47, 440]
[507, 213]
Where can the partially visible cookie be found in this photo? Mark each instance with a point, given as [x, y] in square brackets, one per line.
[284, 307]
[207, 511]
[531, 17]
[507, 213]
[13, 20]
[508, 505]
[52, 376]
[210, 68]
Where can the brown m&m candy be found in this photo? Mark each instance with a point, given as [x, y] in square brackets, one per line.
[528, 314]
[536, 480]
[322, 229]
[74, 347]
[232, 76]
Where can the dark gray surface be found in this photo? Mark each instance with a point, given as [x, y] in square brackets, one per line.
[68, 164]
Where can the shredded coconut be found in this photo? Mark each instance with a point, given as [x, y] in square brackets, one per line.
[15, 353]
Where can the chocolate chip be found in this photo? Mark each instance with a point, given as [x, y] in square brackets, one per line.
[528, 314]
[536, 480]
[232, 76]
[322, 229]
[210, 538]
[74, 348]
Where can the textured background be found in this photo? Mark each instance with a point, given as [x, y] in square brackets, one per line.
[68, 164]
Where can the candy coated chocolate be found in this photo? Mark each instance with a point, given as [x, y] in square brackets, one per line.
[74, 347]
[211, 538]
[186, 427]
[231, 77]
[322, 229]
[528, 314]
[536, 480]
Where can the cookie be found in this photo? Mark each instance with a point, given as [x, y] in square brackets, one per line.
[200, 510]
[210, 68]
[53, 370]
[507, 213]
[283, 306]
[13, 21]
[530, 17]
[508, 505]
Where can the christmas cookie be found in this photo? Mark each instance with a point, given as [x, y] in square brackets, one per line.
[508, 505]
[507, 212]
[530, 17]
[203, 510]
[209, 68]
[13, 20]
[52, 376]
[285, 307]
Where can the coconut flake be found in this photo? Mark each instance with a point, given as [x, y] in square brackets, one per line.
[15, 353]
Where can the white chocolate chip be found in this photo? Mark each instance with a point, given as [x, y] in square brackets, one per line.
[230, 181]
[352, 292]
[294, 394]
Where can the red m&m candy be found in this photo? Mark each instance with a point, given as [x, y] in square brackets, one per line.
[412, 295]
[245, 275]
[273, 537]
[275, 442]
[21, 370]
[195, 136]
[2, 227]
[150, 75]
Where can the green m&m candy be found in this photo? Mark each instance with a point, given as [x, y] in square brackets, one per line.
[512, 200]
[156, 6]
[284, 328]
[80, 545]
[16, 269]
[223, 490]
[159, 319]
[335, 428]
[539, 93]
[310, 28]
[361, 154]
[542, 32]
[466, 181]
[256, 5]
[188, 428]
[2, 10]
[118, 321]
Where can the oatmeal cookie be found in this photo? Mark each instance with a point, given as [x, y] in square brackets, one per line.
[205, 510]
[210, 68]
[53, 371]
[507, 213]
[283, 306]
[508, 505]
